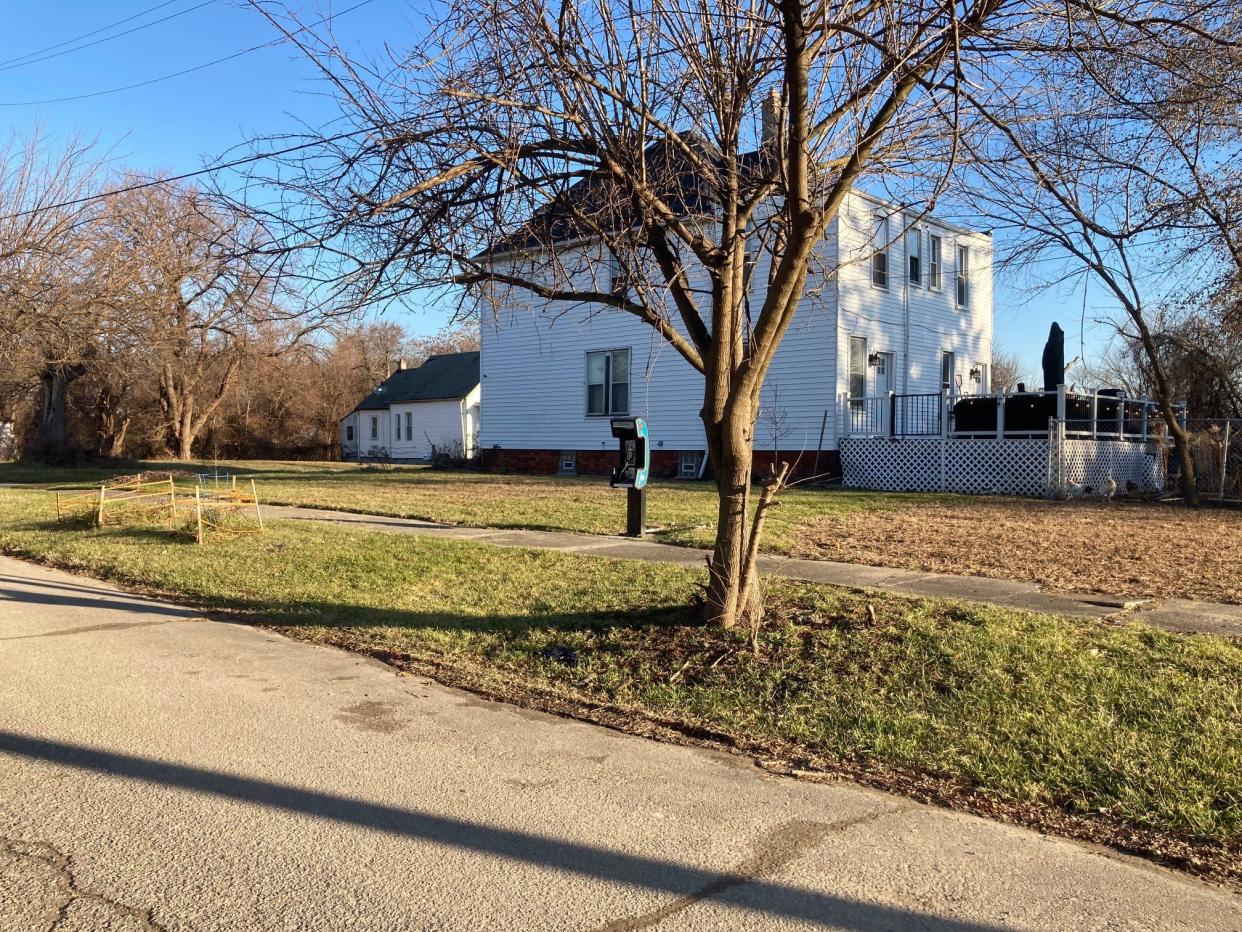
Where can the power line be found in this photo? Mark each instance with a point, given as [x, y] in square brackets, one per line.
[211, 169]
[184, 71]
[93, 32]
[18, 63]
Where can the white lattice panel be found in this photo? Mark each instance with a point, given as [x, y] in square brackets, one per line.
[997, 467]
[1091, 463]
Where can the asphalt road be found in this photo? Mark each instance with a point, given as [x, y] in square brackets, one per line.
[158, 770]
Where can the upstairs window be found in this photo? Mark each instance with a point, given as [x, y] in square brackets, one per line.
[935, 248]
[608, 382]
[914, 256]
[396, 427]
[858, 367]
[963, 276]
[879, 258]
[618, 278]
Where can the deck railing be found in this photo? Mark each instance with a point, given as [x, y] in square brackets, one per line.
[1015, 415]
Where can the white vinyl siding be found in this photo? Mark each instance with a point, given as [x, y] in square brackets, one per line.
[533, 351]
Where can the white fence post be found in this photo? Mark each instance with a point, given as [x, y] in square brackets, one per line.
[1224, 461]
[1000, 414]
[1095, 414]
[1061, 403]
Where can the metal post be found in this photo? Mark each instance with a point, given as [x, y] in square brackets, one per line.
[258, 516]
[1146, 407]
[1095, 414]
[892, 414]
[1224, 461]
[198, 512]
[1000, 415]
[635, 512]
[1121, 417]
[844, 401]
[1061, 403]
[944, 413]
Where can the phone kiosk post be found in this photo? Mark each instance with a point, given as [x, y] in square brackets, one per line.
[633, 467]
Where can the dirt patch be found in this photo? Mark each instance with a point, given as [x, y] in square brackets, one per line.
[1120, 548]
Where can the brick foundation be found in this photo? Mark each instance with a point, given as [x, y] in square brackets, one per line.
[663, 462]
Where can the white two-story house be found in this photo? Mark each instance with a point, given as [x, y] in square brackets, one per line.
[894, 304]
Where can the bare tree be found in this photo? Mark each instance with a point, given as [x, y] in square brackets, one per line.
[49, 313]
[1007, 370]
[1127, 170]
[199, 287]
[612, 155]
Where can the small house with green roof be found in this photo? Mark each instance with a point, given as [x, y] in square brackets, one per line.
[417, 412]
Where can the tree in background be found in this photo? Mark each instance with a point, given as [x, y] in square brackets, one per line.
[50, 315]
[1126, 168]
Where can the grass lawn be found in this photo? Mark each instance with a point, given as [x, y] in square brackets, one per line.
[1123, 734]
[1125, 549]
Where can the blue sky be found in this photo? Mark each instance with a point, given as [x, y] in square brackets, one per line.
[179, 124]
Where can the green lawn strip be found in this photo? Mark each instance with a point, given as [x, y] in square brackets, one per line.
[1127, 724]
[684, 512]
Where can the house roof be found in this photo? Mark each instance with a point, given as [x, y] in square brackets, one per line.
[596, 201]
[440, 378]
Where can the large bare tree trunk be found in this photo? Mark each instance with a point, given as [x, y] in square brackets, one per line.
[1164, 394]
[730, 448]
[55, 379]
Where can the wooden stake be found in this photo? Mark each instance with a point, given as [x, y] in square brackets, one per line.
[258, 516]
[99, 517]
[198, 511]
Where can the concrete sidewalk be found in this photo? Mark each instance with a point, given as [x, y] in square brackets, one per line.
[1171, 614]
[164, 771]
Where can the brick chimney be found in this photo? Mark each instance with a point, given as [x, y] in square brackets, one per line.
[773, 118]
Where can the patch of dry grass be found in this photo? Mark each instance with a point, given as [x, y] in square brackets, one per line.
[1125, 549]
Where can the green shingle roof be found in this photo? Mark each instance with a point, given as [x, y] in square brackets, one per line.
[443, 377]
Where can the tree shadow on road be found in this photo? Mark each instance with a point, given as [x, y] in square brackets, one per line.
[743, 888]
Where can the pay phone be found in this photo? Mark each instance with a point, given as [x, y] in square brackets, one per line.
[633, 467]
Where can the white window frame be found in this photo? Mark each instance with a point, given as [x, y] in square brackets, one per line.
[963, 275]
[375, 427]
[858, 359]
[409, 425]
[396, 426]
[951, 382]
[618, 280]
[688, 464]
[609, 383]
[914, 258]
[935, 261]
[880, 268]
[568, 463]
